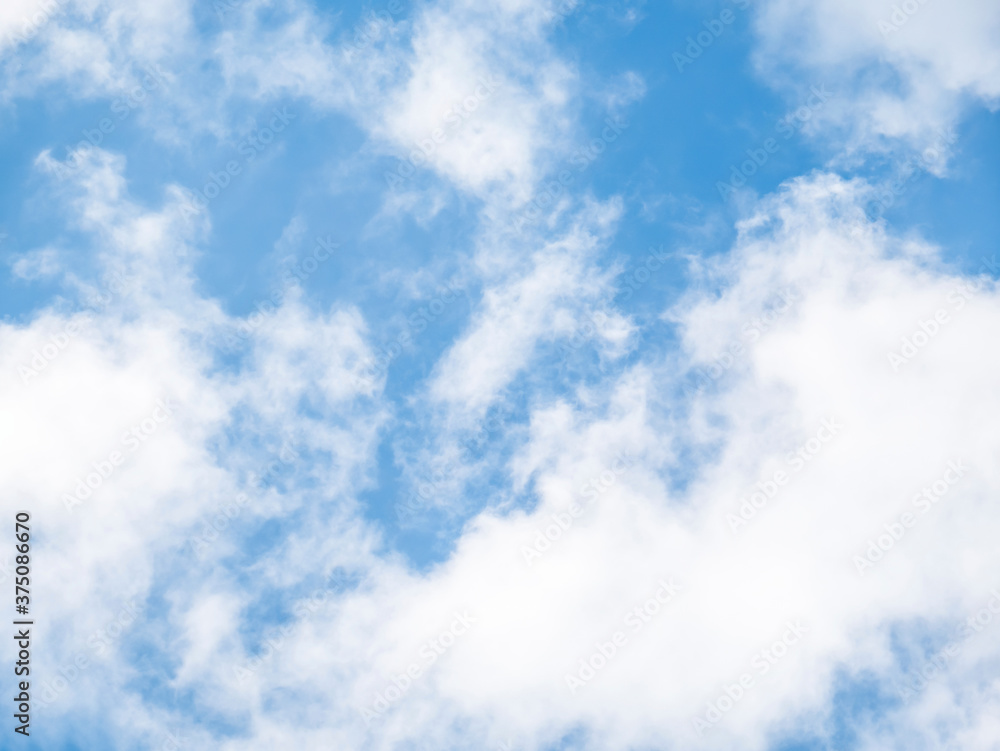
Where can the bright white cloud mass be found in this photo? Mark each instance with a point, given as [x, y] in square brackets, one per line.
[399, 376]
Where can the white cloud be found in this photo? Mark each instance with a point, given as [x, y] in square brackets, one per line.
[901, 72]
[471, 90]
[145, 442]
[36, 264]
[92, 44]
[540, 301]
[787, 576]
[888, 434]
[22, 20]
[634, 484]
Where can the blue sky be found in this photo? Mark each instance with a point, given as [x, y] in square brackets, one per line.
[477, 321]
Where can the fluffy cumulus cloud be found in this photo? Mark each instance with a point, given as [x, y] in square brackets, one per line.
[95, 45]
[472, 91]
[736, 609]
[728, 517]
[154, 451]
[905, 71]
